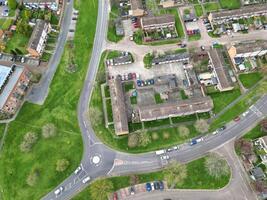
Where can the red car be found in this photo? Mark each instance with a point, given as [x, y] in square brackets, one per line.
[115, 196]
[236, 119]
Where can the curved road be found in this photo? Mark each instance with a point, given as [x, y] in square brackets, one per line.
[99, 160]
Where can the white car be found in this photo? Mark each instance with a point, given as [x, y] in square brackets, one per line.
[214, 132]
[175, 148]
[78, 170]
[245, 113]
[59, 190]
[165, 157]
[86, 179]
[152, 186]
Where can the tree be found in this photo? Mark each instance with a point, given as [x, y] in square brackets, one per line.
[33, 177]
[202, 126]
[264, 125]
[62, 165]
[144, 139]
[132, 140]
[23, 27]
[48, 130]
[216, 166]
[183, 131]
[260, 186]
[29, 140]
[12, 4]
[100, 189]
[175, 173]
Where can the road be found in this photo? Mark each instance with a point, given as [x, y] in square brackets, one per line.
[100, 160]
[39, 92]
[237, 189]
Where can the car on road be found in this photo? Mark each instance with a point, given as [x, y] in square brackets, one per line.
[215, 132]
[148, 187]
[152, 186]
[59, 190]
[78, 170]
[245, 113]
[115, 196]
[160, 152]
[161, 185]
[202, 48]
[132, 190]
[222, 128]
[237, 119]
[195, 141]
[165, 157]
[86, 179]
[169, 150]
[156, 185]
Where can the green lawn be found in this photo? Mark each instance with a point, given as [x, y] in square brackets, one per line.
[210, 7]
[60, 108]
[2, 128]
[194, 37]
[197, 178]
[198, 10]
[222, 99]
[111, 35]
[249, 80]
[158, 99]
[133, 100]
[255, 133]
[5, 23]
[230, 4]
[18, 41]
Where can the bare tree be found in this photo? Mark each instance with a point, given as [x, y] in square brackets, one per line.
[48, 130]
[33, 177]
[95, 115]
[175, 173]
[133, 140]
[202, 126]
[62, 165]
[144, 139]
[216, 166]
[183, 131]
[29, 140]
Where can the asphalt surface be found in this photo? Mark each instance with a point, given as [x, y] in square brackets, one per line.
[111, 162]
[39, 92]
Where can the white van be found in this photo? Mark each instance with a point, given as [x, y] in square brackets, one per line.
[160, 152]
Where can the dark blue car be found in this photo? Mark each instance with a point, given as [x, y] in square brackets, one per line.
[148, 187]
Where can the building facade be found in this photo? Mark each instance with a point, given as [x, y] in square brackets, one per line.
[157, 22]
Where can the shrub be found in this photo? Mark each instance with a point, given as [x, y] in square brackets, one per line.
[62, 165]
[202, 126]
[155, 136]
[144, 139]
[216, 166]
[29, 140]
[166, 135]
[183, 131]
[132, 140]
[49, 130]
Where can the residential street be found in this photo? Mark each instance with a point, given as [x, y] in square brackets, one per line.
[111, 162]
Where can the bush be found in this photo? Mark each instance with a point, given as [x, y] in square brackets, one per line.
[183, 131]
[155, 136]
[62, 165]
[216, 166]
[29, 140]
[49, 130]
[202, 126]
[166, 135]
[33, 177]
[132, 140]
[144, 139]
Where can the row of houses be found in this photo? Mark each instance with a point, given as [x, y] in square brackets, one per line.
[42, 4]
[14, 82]
[222, 17]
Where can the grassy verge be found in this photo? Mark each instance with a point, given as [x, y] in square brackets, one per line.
[60, 108]
[230, 4]
[222, 99]
[254, 133]
[248, 80]
[241, 106]
[194, 37]
[18, 41]
[198, 10]
[2, 128]
[112, 36]
[210, 7]
[197, 178]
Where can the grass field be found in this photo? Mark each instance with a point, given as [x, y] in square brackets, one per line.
[5, 23]
[222, 99]
[111, 35]
[209, 7]
[197, 178]
[250, 79]
[254, 133]
[60, 108]
[230, 4]
[198, 10]
[17, 41]
[194, 37]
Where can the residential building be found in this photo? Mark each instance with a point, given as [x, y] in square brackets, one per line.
[35, 4]
[174, 109]
[119, 110]
[14, 82]
[137, 8]
[220, 70]
[221, 17]
[122, 60]
[38, 38]
[171, 58]
[191, 17]
[261, 144]
[257, 174]
[207, 79]
[247, 50]
[156, 22]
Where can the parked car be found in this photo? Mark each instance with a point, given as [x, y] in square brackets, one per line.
[86, 179]
[202, 48]
[78, 170]
[245, 113]
[183, 45]
[222, 128]
[237, 118]
[115, 196]
[59, 190]
[148, 187]
[165, 157]
[169, 150]
[132, 190]
[152, 186]
[161, 185]
[156, 185]
[214, 132]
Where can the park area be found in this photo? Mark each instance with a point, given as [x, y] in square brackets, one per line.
[230, 4]
[250, 79]
[33, 162]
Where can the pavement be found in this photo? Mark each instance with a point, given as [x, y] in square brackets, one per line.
[100, 160]
[39, 92]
